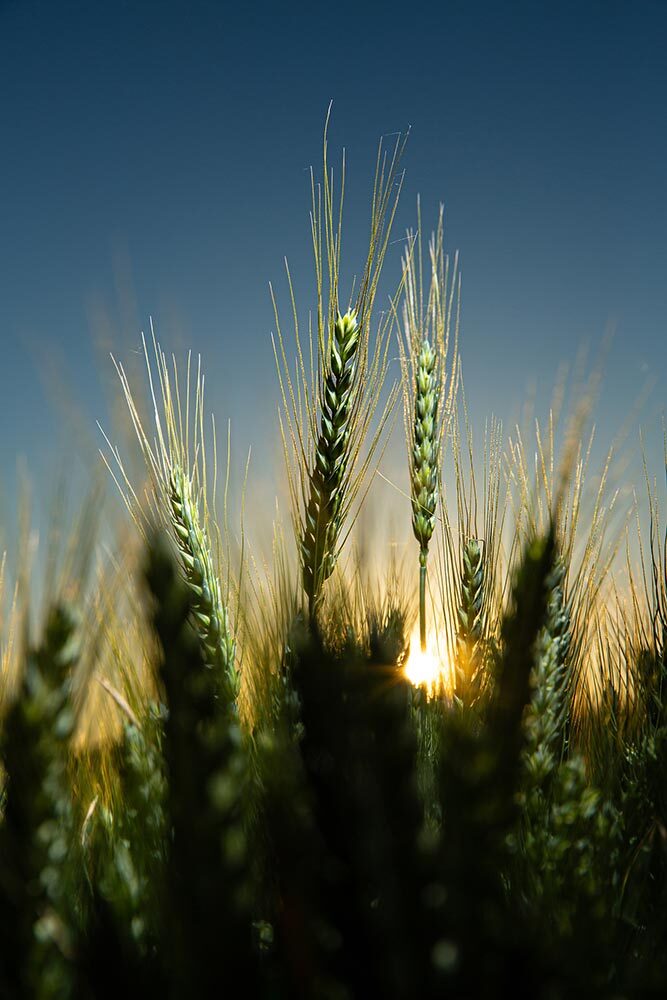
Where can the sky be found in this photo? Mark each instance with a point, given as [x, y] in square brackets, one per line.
[154, 162]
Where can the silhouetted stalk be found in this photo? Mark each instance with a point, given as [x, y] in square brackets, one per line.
[422, 603]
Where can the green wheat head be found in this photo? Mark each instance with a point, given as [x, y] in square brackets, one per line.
[425, 452]
[330, 402]
[322, 523]
[429, 384]
[177, 500]
[470, 619]
[208, 609]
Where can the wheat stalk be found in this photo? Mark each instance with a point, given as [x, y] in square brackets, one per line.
[329, 403]
[177, 499]
[429, 388]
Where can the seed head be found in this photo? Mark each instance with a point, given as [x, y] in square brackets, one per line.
[425, 448]
[328, 476]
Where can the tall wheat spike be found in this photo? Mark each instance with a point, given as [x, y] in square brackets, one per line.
[176, 498]
[327, 478]
[331, 399]
[429, 383]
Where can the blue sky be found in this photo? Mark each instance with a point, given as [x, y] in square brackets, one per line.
[154, 162]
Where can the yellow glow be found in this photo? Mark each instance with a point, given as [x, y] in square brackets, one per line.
[427, 667]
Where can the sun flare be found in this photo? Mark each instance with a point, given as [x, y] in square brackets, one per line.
[427, 668]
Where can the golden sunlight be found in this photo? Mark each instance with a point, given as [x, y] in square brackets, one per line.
[428, 668]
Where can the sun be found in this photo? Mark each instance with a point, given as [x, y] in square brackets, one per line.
[427, 668]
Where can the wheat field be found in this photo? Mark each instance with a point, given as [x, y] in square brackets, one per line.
[313, 774]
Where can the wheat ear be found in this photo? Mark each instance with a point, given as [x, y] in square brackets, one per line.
[329, 404]
[177, 499]
[470, 619]
[424, 467]
[429, 389]
[322, 521]
[208, 608]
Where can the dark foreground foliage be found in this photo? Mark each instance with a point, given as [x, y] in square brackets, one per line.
[360, 841]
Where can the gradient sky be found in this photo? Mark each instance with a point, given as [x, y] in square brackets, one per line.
[153, 162]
